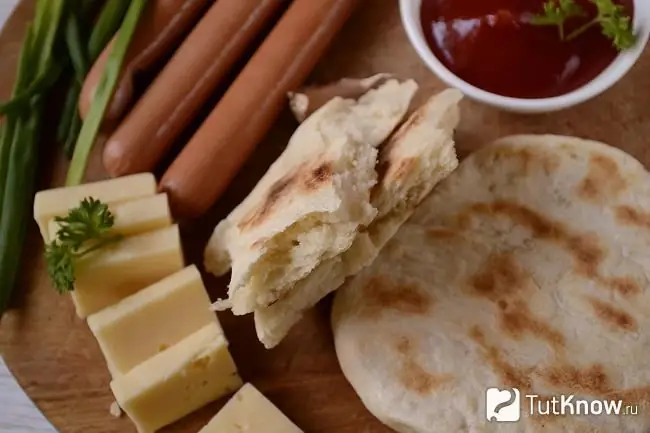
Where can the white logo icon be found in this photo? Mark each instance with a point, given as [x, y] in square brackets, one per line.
[502, 405]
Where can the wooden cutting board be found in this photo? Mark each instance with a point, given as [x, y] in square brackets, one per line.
[56, 359]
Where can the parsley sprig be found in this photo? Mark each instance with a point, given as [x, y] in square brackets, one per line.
[85, 229]
[556, 13]
[611, 17]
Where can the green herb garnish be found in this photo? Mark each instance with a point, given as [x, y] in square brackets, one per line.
[107, 83]
[85, 229]
[611, 17]
[82, 56]
[556, 12]
[20, 131]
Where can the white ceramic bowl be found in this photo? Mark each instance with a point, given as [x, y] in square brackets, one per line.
[410, 10]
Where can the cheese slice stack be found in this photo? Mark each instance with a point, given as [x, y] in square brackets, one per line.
[56, 202]
[151, 316]
[133, 217]
[166, 350]
[117, 271]
[152, 320]
[178, 381]
[150, 251]
[250, 411]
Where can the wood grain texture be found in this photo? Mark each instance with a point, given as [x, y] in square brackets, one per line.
[57, 361]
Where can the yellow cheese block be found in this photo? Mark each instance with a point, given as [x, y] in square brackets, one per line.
[117, 271]
[134, 216]
[56, 202]
[178, 381]
[152, 320]
[250, 411]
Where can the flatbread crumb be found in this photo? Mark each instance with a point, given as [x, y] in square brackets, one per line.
[115, 410]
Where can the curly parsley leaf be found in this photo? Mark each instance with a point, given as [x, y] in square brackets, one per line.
[556, 13]
[86, 228]
[611, 17]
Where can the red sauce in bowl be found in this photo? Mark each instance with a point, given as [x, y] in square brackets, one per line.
[492, 45]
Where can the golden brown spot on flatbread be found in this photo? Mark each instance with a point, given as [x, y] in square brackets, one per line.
[412, 121]
[502, 281]
[382, 294]
[463, 221]
[612, 316]
[392, 170]
[550, 163]
[404, 346]
[518, 320]
[626, 286]
[388, 166]
[510, 375]
[603, 179]
[525, 158]
[417, 379]
[412, 375]
[277, 191]
[592, 380]
[441, 233]
[538, 224]
[318, 176]
[403, 168]
[303, 179]
[585, 250]
[501, 276]
[477, 335]
[627, 215]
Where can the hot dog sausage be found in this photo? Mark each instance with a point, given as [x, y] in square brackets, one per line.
[161, 27]
[185, 83]
[240, 120]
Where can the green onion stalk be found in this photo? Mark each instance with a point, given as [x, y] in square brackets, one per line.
[104, 92]
[19, 141]
[82, 56]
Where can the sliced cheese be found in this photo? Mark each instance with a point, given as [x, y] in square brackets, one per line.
[152, 320]
[117, 271]
[56, 202]
[178, 381]
[134, 216]
[250, 411]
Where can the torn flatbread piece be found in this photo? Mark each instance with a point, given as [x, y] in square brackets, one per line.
[307, 100]
[309, 205]
[418, 156]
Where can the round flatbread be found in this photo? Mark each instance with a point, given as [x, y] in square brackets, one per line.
[527, 268]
